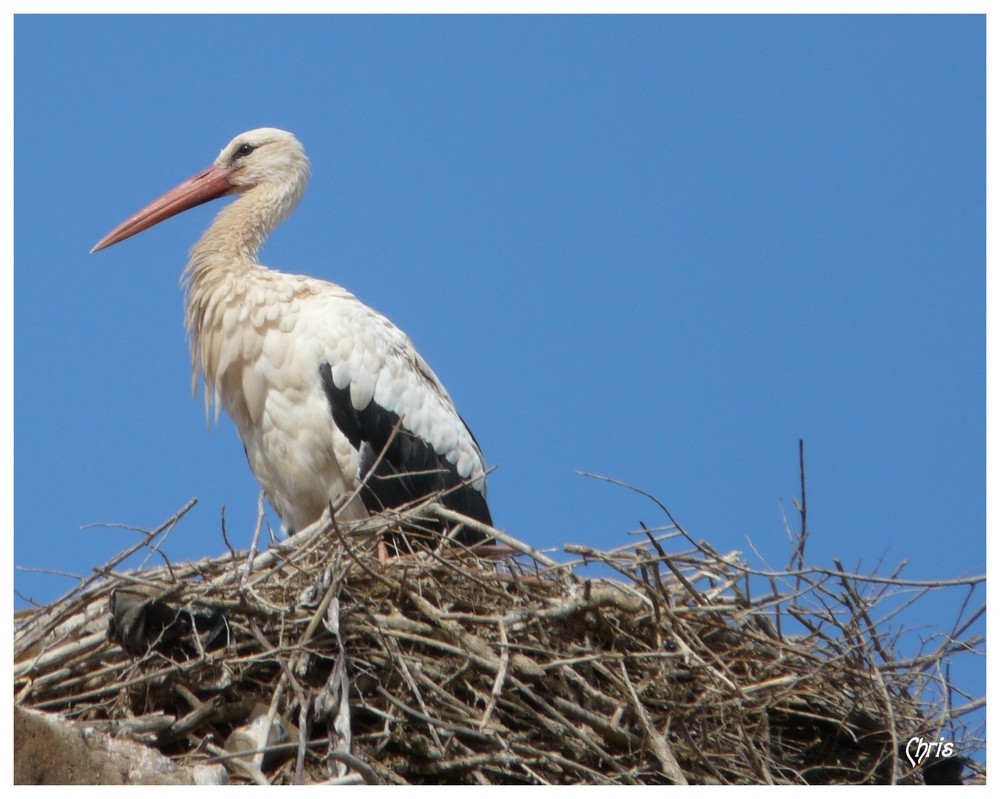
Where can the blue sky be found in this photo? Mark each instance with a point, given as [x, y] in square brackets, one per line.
[661, 249]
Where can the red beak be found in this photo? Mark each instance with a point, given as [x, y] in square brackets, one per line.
[209, 184]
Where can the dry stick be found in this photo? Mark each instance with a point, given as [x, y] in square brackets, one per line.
[448, 538]
[517, 707]
[501, 674]
[538, 778]
[450, 707]
[858, 608]
[657, 741]
[144, 729]
[800, 547]
[611, 733]
[235, 760]
[256, 538]
[357, 764]
[37, 570]
[126, 553]
[300, 754]
[361, 564]
[702, 547]
[751, 746]
[948, 713]
[629, 571]
[108, 689]
[331, 591]
[867, 578]
[968, 707]
[166, 527]
[464, 765]
[200, 715]
[271, 556]
[669, 515]
[917, 596]
[927, 661]
[454, 516]
[628, 550]
[434, 724]
[47, 658]
[891, 713]
[862, 611]
[453, 631]
[600, 699]
[592, 776]
[955, 633]
[521, 617]
[660, 587]
[694, 747]
[567, 725]
[694, 592]
[400, 661]
[287, 678]
[225, 536]
[339, 723]
[467, 574]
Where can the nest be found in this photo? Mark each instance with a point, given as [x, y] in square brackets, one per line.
[318, 662]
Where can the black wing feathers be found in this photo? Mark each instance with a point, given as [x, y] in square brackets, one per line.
[409, 470]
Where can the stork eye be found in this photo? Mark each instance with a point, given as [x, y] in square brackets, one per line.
[244, 149]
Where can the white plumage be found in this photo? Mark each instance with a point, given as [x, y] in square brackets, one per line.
[318, 384]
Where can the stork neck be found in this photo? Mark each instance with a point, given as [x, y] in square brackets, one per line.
[240, 229]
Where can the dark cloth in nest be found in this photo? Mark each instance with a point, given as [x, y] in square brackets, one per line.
[140, 623]
[946, 771]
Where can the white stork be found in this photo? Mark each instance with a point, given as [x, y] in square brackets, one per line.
[326, 393]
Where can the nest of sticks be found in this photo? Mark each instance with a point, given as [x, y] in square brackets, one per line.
[317, 662]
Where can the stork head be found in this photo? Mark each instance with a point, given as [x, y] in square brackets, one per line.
[263, 156]
[269, 160]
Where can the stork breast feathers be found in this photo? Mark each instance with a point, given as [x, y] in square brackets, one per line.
[308, 324]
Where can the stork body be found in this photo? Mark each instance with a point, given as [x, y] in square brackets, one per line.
[326, 393]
